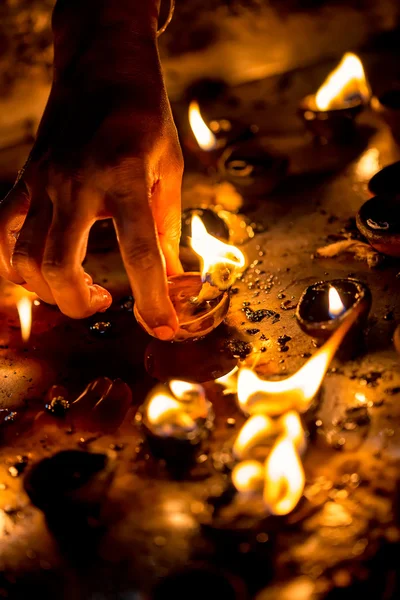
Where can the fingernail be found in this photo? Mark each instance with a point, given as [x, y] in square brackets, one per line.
[164, 333]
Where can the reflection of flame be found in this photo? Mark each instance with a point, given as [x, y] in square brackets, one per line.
[284, 477]
[220, 261]
[24, 307]
[248, 476]
[342, 85]
[336, 306]
[176, 408]
[204, 136]
[256, 395]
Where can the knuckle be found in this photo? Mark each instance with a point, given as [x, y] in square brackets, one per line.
[142, 253]
[55, 272]
[23, 263]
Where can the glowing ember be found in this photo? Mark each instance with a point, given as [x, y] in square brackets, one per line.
[173, 410]
[256, 395]
[24, 307]
[248, 476]
[220, 262]
[336, 306]
[344, 85]
[203, 134]
[284, 478]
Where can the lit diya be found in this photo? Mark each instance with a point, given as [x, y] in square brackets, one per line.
[325, 305]
[329, 114]
[201, 300]
[379, 221]
[176, 418]
[270, 444]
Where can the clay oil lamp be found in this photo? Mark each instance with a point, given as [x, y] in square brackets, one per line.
[379, 221]
[208, 140]
[386, 182]
[201, 300]
[388, 107]
[272, 441]
[252, 169]
[176, 417]
[330, 113]
[325, 305]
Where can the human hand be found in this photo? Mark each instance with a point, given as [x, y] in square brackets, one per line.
[106, 147]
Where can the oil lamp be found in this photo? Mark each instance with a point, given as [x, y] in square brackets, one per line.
[386, 182]
[388, 107]
[252, 169]
[210, 139]
[325, 305]
[329, 114]
[201, 300]
[379, 221]
[176, 418]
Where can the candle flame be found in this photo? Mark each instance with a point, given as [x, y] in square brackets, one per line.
[220, 262]
[248, 476]
[284, 477]
[272, 398]
[203, 134]
[336, 306]
[346, 82]
[24, 307]
[175, 407]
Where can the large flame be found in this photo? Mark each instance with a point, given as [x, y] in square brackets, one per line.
[203, 134]
[343, 85]
[176, 407]
[336, 306]
[284, 477]
[24, 307]
[255, 395]
[220, 262]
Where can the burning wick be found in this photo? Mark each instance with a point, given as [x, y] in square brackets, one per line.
[24, 307]
[345, 85]
[220, 262]
[203, 134]
[336, 306]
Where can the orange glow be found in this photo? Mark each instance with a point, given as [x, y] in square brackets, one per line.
[284, 477]
[220, 262]
[248, 476]
[345, 83]
[203, 134]
[169, 410]
[336, 306]
[255, 395]
[258, 430]
[24, 307]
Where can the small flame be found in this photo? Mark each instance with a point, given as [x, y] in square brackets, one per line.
[174, 408]
[343, 84]
[336, 306]
[220, 262]
[256, 395]
[229, 381]
[293, 429]
[248, 476]
[24, 307]
[284, 477]
[258, 430]
[203, 134]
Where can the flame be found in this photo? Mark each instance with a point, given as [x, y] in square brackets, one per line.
[203, 134]
[336, 306]
[248, 476]
[24, 307]
[257, 431]
[229, 381]
[293, 429]
[175, 407]
[256, 395]
[220, 261]
[343, 84]
[284, 477]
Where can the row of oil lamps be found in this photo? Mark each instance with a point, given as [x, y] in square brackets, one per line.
[231, 148]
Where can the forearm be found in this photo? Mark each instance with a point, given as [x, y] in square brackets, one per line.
[100, 38]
